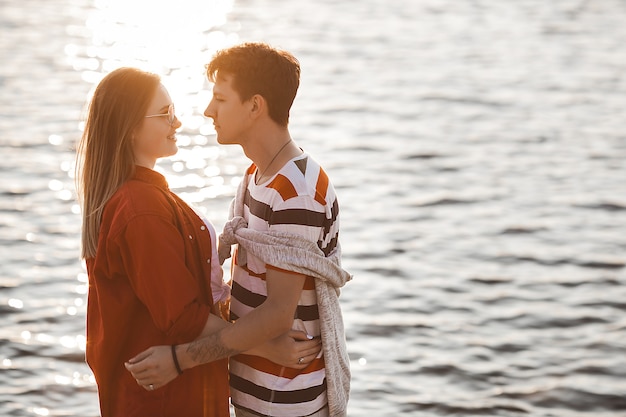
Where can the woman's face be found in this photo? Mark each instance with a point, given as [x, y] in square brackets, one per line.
[155, 138]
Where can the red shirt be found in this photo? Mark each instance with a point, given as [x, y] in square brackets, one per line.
[149, 284]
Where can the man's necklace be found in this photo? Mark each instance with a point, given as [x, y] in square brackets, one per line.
[275, 156]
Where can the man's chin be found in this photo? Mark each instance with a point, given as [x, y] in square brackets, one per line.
[222, 141]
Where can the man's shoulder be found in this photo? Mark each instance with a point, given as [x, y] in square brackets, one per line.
[301, 177]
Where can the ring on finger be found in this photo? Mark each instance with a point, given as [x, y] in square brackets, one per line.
[150, 387]
[300, 361]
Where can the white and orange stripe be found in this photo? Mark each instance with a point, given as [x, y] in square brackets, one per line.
[299, 199]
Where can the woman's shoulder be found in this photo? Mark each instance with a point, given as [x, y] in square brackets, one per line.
[138, 197]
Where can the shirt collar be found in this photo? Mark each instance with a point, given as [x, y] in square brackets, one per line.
[150, 176]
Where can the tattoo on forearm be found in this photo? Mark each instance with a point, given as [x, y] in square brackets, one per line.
[209, 349]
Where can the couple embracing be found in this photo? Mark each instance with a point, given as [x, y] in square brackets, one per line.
[165, 336]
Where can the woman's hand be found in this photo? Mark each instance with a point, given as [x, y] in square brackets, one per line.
[153, 368]
[294, 349]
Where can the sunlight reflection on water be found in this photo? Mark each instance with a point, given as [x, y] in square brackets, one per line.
[133, 34]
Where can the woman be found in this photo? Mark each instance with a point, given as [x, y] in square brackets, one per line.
[148, 254]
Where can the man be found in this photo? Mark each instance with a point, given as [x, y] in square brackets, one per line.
[285, 194]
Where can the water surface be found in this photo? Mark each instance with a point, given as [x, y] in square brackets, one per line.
[477, 148]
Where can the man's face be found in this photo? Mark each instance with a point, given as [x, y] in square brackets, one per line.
[230, 115]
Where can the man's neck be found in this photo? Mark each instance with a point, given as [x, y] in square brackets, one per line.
[272, 155]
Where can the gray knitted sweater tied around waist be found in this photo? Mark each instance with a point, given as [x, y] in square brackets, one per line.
[294, 253]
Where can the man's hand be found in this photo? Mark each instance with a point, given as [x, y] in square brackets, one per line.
[294, 349]
[153, 368]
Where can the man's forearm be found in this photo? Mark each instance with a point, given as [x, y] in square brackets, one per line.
[204, 350]
[267, 321]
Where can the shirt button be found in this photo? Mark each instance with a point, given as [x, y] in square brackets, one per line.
[202, 228]
[208, 261]
[190, 237]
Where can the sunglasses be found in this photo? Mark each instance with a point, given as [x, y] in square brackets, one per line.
[171, 116]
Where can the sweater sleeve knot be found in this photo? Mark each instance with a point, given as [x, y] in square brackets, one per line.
[227, 238]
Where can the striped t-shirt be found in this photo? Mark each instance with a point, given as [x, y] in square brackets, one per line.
[298, 199]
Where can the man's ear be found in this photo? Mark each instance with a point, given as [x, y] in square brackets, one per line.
[258, 105]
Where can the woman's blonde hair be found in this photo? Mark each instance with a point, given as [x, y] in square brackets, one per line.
[105, 158]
